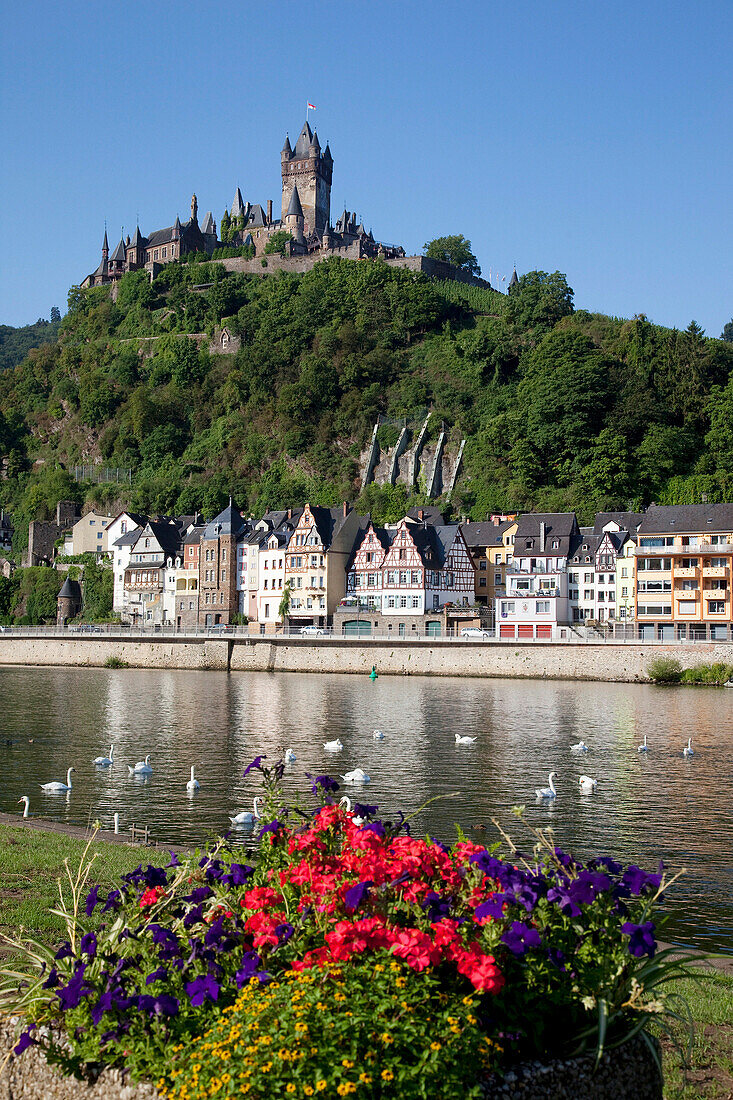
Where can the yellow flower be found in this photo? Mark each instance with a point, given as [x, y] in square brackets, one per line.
[386, 1038]
[320, 1085]
[387, 1075]
[435, 1046]
[308, 1090]
[290, 1087]
[365, 1078]
[471, 1019]
[378, 968]
[347, 1064]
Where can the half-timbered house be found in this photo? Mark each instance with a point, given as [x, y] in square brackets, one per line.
[316, 561]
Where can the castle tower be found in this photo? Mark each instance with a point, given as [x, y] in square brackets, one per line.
[194, 208]
[311, 171]
[294, 219]
[105, 246]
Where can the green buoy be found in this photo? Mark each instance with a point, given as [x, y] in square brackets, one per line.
[373, 674]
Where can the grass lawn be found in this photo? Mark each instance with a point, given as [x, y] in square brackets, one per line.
[710, 1073]
[31, 863]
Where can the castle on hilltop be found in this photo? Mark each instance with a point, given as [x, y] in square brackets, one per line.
[306, 171]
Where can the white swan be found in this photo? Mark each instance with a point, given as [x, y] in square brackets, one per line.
[290, 756]
[580, 747]
[378, 735]
[57, 785]
[26, 804]
[587, 784]
[688, 749]
[465, 740]
[143, 767]
[193, 783]
[345, 803]
[643, 747]
[333, 746]
[547, 792]
[357, 776]
[116, 819]
[105, 761]
[247, 817]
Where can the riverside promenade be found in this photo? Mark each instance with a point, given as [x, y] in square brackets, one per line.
[613, 661]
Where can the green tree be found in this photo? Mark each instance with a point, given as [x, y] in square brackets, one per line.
[98, 590]
[277, 242]
[727, 333]
[454, 250]
[283, 609]
[539, 301]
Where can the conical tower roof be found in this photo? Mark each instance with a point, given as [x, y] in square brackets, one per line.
[119, 253]
[514, 281]
[287, 148]
[303, 144]
[237, 204]
[137, 240]
[295, 207]
[105, 246]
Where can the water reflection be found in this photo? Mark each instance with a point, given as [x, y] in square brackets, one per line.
[646, 807]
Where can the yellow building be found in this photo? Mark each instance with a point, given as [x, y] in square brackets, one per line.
[491, 545]
[683, 563]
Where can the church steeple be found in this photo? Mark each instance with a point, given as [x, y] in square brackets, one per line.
[105, 245]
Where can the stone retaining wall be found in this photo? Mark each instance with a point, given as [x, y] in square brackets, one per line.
[611, 661]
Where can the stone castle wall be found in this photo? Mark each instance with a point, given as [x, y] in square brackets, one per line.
[436, 269]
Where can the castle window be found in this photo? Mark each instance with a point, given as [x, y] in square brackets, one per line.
[164, 253]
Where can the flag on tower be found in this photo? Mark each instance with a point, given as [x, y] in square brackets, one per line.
[312, 106]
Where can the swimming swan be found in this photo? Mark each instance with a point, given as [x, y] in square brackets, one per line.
[143, 767]
[465, 740]
[345, 804]
[688, 749]
[26, 804]
[105, 761]
[587, 784]
[333, 746]
[547, 792]
[290, 756]
[193, 783]
[378, 735]
[246, 817]
[57, 785]
[357, 776]
[580, 747]
[644, 747]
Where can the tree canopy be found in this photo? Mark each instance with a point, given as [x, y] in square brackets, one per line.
[454, 250]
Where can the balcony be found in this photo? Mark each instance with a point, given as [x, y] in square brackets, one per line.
[687, 571]
[714, 571]
[539, 569]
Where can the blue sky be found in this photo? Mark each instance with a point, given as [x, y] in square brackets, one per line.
[586, 137]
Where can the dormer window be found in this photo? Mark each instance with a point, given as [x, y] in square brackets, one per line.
[555, 544]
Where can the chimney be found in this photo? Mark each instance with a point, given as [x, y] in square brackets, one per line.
[420, 514]
[542, 537]
[269, 211]
[290, 513]
[346, 509]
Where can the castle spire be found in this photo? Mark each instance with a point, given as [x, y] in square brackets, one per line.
[105, 245]
[514, 281]
[286, 149]
[238, 204]
[295, 209]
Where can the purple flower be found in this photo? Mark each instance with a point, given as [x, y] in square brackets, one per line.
[175, 861]
[520, 937]
[641, 938]
[251, 963]
[327, 785]
[88, 945]
[201, 893]
[493, 908]
[71, 994]
[202, 989]
[588, 885]
[52, 979]
[272, 827]
[361, 809]
[195, 916]
[24, 1042]
[92, 900]
[638, 881]
[565, 903]
[375, 827]
[605, 861]
[435, 906]
[355, 895]
[238, 874]
[158, 975]
[104, 1004]
[283, 932]
[114, 901]
[256, 764]
[64, 952]
[164, 1004]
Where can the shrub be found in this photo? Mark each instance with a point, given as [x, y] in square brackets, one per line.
[718, 673]
[664, 670]
[115, 662]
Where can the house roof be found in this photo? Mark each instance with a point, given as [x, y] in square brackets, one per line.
[627, 521]
[208, 226]
[228, 522]
[588, 540]
[194, 535]
[430, 514]
[693, 518]
[485, 533]
[560, 527]
[70, 589]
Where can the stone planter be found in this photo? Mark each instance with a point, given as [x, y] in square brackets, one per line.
[628, 1071]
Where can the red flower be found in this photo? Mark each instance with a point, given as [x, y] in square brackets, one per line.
[151, 895]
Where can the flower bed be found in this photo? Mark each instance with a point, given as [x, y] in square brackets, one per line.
[348, 958]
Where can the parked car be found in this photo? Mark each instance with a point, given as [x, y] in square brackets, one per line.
[313, 631]
[475, 632]
[87, 628]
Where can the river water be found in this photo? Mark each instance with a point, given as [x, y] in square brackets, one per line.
[646, 807]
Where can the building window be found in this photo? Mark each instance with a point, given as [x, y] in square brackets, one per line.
[542, 607]
[223, 555]
[716, 607]
[403, 601]
[497, 580]
[587, 593]
[414, 577]
[415, 601]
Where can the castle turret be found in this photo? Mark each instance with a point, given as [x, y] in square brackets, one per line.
[294, 218]
[117, 262]
[312, 172]
[176, 234]
[194, 208]
[136, 250]
[105, 246]
[327, 239]
[238, 204]
[514, 281]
